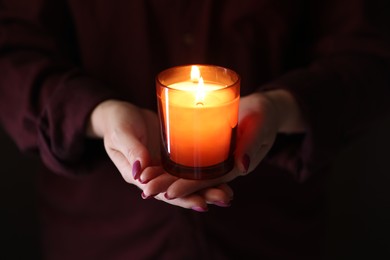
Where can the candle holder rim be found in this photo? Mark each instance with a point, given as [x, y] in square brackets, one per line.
[237, 81]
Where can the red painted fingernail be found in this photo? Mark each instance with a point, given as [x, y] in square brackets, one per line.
[143, 181]
[245, 162]
[145, 197]
[199, 209]
[222, 204]
[136, 170]
[167, 196]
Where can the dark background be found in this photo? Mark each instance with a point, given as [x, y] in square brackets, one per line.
[19, 225]
[359, 197]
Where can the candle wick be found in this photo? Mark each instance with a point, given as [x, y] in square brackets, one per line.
[199, 104]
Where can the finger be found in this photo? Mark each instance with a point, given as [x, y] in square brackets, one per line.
[184, 187]
[158, 184]
[153, 140]
[254, 141]
[252, 153]
[227, 189]
[194, 201]
[122, 164]
[221, 195]
[247, 142]
[150, 173]
[125, 142]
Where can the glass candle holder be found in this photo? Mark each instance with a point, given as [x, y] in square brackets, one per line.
[198, 112]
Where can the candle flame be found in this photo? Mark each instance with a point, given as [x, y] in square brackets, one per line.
[200, 90]
[195, 73]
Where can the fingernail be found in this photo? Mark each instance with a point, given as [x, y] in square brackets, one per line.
[145, 197]
[245, 162]
[222, 204]
[167, 196]
[199, 209]
[136, 169]
[143, 181]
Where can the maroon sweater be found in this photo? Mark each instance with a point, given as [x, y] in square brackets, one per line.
[59, 59]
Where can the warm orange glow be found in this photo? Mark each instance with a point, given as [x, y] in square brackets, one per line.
[199, 122]
[198, 109]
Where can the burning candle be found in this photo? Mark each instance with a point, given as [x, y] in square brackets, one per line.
[198, 110]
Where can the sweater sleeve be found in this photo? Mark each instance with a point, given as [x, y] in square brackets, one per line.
[344, 88]
[45, 100]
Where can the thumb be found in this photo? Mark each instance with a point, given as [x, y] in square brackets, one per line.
[251, 143]
[128, 152]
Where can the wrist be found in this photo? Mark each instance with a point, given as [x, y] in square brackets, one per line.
[96, 126]
[289, 115]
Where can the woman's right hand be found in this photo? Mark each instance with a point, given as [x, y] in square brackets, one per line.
[132, 141]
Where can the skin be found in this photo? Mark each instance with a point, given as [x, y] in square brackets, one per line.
[130, 139]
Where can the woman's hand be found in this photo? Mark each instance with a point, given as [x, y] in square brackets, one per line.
[131, 139]
[261, 117]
